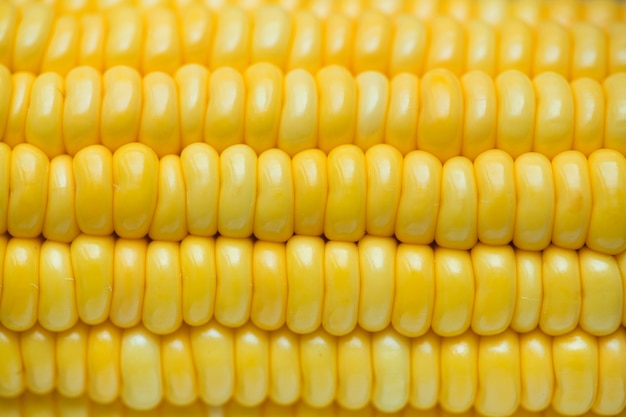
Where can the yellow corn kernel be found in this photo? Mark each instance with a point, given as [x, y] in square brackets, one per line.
[93, 176]
[28, 191]
[274, 210]
[71, 359]
[199, 276]
[459, 372]
[161, 48]
[11, 367]
[589, 54]
[224, 119]
[457, 219]
[347, 194]
[92, 41]
[496, 290]
[251, 365]
[515, 47]
[537, 371]
[611, 374]
[62, 51]
[285, 379]
[129, 278]
[231, 39]
[499, 384]
[37, 347]
[141, 369]
[615, 113]
[447, 45]
[553, 49]
[615, 48]
[554, 120]
[159, 127]
[589, 116]
[298, 120]
[121, 107]
[440, 122]
[392, 379]
[479, 125]
[310, 179]
[306, 42]
[44, 120]
[562, 296]
[534, 185]
[575, 372]
[103, 362]
[402, 113]
[60, 220]
[135, 169]
[425, 373]
[318, 362]
[573, 200]
[495, 184]
[162, 303]
[57, 291]
[197, 25]
[170, 222]
[81, 109]
[372, 96]
[238, 190]
[607, 227]
[20, 284]
[192, 86]
[529, 271]
[270, 38]
[337, 107]
[384, 179]
[419, 200]
[179, 376]
[201, 169]
[125, 36]
[92, 263]
[264, 88]
[21, 84]
[602, 293]
[337, 39]
[408, 45]
[213, 349]
[372, 37]
[516, 113]
[269, 299]
[8, 24]
[377, 270]
[454, 292]
[31, 37]
[233, 297]
[305, 282]
[341, 287]
[481, 47]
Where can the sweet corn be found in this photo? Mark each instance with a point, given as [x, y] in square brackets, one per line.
[306, 284]
[161, 36]
[495, 374]
[571, 202]
[161, 224]
[298, 111]
[55, 405]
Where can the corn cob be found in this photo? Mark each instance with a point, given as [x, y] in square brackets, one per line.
[55, 405]
[573, 373]
[566, 12]
[307, 284]
[529, 201]
[296, 112]
[160, 39]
